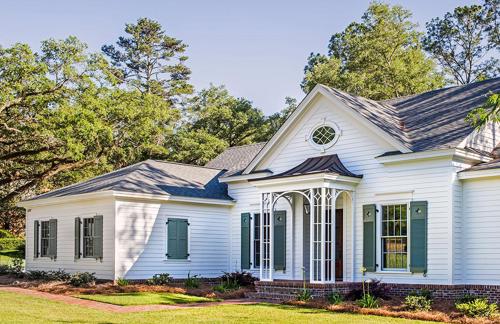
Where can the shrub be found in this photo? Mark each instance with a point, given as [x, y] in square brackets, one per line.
[122, 282]
[417, 303]
[159, 279]
[5, 234]
[228, 285]
[466, 299]
[376, 288]
[241, 278]
[59, 275]
[80, 279]
[17, 267]
[192, 281]
[335, 298]
[12, 244]
[368, 301]
[304, 295]
[479, 307]
[4, 269]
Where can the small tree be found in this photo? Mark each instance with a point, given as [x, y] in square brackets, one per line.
[489, 112]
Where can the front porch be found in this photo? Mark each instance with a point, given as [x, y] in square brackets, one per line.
[314, 203]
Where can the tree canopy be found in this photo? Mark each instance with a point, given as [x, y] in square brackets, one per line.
[379, 57]
[465, 42]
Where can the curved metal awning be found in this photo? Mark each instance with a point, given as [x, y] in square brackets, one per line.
[319, 164]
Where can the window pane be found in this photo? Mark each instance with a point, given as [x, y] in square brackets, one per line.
[394, 237]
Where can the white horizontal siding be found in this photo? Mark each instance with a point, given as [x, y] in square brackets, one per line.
[481, 231]
[65, 215]
[141, 240]
[357, 148]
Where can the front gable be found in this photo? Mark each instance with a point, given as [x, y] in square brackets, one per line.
[356, 136]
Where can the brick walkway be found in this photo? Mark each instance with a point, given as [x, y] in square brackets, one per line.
[122, 309]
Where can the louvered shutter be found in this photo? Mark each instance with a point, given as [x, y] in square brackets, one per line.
[245, 241]
[52, 249]
[98, 230]
[418, 236]
[280, 240]
[369, 237]
[78, 231]
[36, 239]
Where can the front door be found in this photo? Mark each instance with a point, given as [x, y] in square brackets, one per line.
[339, 245]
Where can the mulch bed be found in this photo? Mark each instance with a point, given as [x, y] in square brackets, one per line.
[62, 288]
[442, 311]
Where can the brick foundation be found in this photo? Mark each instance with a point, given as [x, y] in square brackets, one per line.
[286, 290]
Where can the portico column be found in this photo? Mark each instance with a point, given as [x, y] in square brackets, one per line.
[271, 237]
[311, 234]
[261, 236]
[323, 232]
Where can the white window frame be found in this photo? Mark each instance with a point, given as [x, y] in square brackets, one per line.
[165, 229]
[379, 247]
[40, 222]
[82, 237]
[324, 147]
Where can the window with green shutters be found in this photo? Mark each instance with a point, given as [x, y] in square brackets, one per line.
[402, 237]
[92, 237]
[46, 234]
[177, 239]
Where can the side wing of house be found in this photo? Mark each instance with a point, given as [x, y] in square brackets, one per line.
[176, 238]
[388, 185]
[54, 241]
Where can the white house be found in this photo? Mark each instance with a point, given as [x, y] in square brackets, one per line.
[404, 188]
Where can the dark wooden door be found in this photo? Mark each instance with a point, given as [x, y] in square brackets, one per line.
[339, 244]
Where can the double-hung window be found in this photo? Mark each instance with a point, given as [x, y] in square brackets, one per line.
[394, 237]
[88, 237]
[44, 238]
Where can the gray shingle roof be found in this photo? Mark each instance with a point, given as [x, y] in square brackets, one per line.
[153, 177]
[235, 159]
[426, 121]
[495, 164]
[318, 164]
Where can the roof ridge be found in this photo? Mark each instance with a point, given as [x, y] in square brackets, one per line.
[183, 164]
[244, 145]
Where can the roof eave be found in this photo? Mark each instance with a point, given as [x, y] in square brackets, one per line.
[113, 194]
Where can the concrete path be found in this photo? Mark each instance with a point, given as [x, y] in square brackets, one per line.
[122, 309]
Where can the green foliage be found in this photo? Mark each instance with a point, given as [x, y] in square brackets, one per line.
[417, 303]
[243, 278]
[465, 42]
[149, 60]
[380, 57]
[479, 307]
[427, 294]
[122, 282]
[82, 279]
[335, 298]
[192, 281]
[58, 275]
[227, 285]
[159, 279]
[466, 299]
[368, 301]
[5, 234]
[304, 295]
[17, 244]
[489, 112]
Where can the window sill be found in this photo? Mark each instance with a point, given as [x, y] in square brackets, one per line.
[393, 272]
[177, 260]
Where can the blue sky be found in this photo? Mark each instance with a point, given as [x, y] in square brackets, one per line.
[258, 49]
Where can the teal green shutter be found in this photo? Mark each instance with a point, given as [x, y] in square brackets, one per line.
[245, 241]
[52, 250]
[78, 230]
[177, 233]
[280, 240]
[369, 237]
[98, 229]
[36, 239]
[418, 236]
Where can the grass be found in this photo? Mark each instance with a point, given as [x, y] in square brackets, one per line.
[17, 308]
[146, 298]
[6, 256]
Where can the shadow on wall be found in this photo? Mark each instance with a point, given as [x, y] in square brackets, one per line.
[141, 241]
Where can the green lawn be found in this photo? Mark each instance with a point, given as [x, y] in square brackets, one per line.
[6, 256]
[144, 298]
[17, 308]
